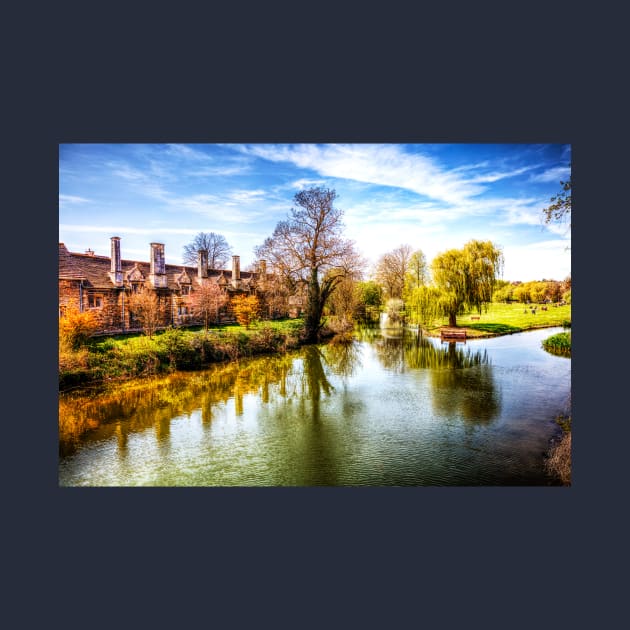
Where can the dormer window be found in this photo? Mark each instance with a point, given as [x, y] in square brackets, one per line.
[185, 289]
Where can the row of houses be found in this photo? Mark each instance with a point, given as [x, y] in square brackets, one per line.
[103, 285]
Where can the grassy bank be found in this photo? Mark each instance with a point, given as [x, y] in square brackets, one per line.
[504, 319]
[116, 358]
[558, 344]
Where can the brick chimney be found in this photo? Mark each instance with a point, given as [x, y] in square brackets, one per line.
[202, 263]
[115, 273]
[236, 271]
[262, 269]
[157, 274]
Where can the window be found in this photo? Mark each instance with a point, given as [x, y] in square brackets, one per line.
[95, 300]
[182, 310]
[135, 287]
[185, 289]
[62, 310]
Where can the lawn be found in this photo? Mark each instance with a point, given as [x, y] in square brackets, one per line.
[502, 319]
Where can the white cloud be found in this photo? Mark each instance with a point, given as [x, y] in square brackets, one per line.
[490, 178]
[114, 230]
[556, 174]
[384, 165]
[220, 171]
[72, 199]
[545, 259]
[186, 152]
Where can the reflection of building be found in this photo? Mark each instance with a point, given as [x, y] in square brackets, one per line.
[104, 285]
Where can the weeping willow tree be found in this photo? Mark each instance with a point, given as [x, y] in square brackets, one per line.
[466, 278]
[423, 305]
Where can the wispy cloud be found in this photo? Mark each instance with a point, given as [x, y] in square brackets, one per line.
[220, 171]
[187, 152]
[235, 206]
[489, 178]
[72, 199]
[124, 229]
[383, 165]
[556, 174]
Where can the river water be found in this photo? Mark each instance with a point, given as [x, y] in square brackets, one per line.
[386, 410]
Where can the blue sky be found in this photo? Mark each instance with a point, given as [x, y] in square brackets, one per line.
[433, 197]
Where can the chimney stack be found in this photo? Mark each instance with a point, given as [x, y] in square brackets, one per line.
[263, 269]
[116, 266]
[236, 271]
[202, 263]
[158, 265]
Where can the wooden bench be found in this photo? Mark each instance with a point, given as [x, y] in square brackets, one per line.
[475, 317]
[453, 333]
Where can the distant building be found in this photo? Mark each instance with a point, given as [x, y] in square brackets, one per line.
[104, 284]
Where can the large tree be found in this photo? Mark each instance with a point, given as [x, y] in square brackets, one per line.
[391, 270]
[417, 272]
[309, 249]
[466, 277]
[219, 251]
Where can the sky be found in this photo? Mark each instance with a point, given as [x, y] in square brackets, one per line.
[433, 197]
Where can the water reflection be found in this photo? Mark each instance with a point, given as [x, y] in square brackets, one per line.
[153, 403]
[462, 378]
[379, 411]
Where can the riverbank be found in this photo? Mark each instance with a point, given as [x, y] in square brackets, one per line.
[112, 359]
[506, 319]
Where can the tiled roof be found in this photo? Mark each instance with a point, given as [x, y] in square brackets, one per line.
[95, 269]
[68, 267]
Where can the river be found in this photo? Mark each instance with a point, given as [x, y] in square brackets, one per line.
[399, 410]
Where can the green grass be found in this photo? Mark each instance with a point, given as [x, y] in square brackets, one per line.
[558, 344]
[501, 319]
[114, 358]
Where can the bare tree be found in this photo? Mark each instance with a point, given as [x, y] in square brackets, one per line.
[219, 251]
[309, 249]
[147, 309]
[391, 270]
[207, 300]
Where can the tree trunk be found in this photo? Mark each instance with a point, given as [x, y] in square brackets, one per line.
[452, 320]
[313, 310]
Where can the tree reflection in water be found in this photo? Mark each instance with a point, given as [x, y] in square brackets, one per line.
[152, 403]
[462, 382]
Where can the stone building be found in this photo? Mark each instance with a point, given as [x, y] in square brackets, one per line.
[104, 285]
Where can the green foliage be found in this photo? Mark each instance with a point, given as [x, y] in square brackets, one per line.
[558, 344]
[512, 315]
[466, 277]
[495, 329]
[117, 358]
[173, 346]
[423, 306]
[560, 207]
[537, 291]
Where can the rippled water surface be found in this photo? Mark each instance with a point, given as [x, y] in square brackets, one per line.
[380, 411]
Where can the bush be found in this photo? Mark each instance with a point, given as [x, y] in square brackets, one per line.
[75, 328]
[175, 349]
[558, 344]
